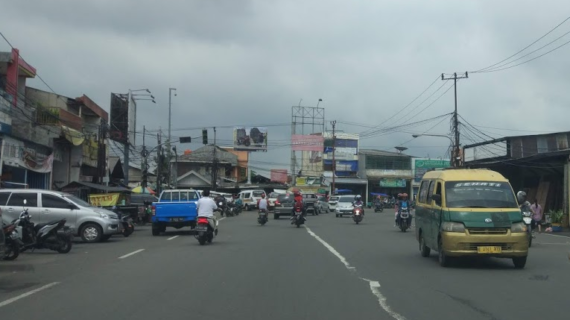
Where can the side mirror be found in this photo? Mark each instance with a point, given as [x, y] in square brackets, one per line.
[437, 198]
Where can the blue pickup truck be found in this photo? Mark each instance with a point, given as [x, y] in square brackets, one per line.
[176, 209]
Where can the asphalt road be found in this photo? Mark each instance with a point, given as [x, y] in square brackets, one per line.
[333, 269]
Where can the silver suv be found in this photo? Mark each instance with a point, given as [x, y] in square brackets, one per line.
[90, 223]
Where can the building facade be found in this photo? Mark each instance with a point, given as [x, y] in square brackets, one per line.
[386, 172]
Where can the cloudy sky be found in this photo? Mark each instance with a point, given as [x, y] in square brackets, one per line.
[246, 62]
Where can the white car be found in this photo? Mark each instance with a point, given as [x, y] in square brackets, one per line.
[344, 206]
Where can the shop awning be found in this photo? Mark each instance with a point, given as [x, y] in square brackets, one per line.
[72, 135]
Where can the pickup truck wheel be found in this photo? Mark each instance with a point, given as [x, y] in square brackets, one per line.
[246, 207]
[91, 232]
[155, 231]
[275, 216]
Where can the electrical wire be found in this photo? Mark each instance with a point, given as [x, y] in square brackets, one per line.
[523, 49]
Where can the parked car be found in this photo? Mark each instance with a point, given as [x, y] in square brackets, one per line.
[2, 237]
[283, 205]
[175, 208]
[91, 223]
[322, 205]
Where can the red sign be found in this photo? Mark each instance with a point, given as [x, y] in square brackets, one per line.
[279, 175]
[307, 142]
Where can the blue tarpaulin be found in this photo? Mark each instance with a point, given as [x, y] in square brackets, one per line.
[378, 194]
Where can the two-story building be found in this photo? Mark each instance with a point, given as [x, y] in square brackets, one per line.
[194, 169]
[386, 172]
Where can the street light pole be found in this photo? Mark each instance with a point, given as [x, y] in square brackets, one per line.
[454, 163]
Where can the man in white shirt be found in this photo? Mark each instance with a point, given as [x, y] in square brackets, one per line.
[206, 207]
[262, 204]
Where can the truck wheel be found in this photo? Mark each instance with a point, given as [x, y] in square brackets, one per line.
[91, 232]
[155, 230]
[246, 207]
[275, 216]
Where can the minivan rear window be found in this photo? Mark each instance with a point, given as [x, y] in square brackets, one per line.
[479, 194]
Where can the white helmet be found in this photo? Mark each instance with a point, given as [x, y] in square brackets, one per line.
[521, 196]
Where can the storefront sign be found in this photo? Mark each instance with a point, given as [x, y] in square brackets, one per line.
[19, 154]
[423, 165]
[392, 183]
[104, 200]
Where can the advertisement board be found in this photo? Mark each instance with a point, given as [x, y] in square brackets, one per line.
[250, 138]
[119, 123]
[421, 166]
[279, 175]
[307, 142]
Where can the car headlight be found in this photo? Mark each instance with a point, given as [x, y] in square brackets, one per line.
[518, 227]
[453, 227]
[104, 215]
[337, 209]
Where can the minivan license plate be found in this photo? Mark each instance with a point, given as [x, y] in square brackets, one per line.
[489, 250]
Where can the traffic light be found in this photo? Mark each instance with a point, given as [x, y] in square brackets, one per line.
[205, 136]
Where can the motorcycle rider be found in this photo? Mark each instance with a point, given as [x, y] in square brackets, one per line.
[297, 202]
[524, 205]
[377, 202]
[358, 202]
[262, 203]
[220, 198]
[206, 207]
[404, 203]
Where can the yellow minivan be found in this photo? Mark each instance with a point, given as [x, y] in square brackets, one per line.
[470, 212]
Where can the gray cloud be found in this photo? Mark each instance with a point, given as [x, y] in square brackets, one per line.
[247, 62]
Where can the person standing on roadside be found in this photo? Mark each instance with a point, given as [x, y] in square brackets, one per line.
[536, 215]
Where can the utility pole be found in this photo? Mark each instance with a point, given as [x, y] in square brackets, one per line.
[214, 164]
[144, 164]
[333, 123]
[126, 145]
[101, 152]
[293, 159]
[159, 163]
[456, 154]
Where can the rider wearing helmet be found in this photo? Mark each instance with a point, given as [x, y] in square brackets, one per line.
[262, 203]
[403, 203]
[358, 202]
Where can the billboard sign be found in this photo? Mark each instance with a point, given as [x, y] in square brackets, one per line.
[119, 124]
[250, 138]
[392, 183]
[421, 166]
[279, 175]
[307, 142]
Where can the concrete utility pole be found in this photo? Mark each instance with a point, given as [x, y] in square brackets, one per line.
[456, 155]
[144, 163]
[214, 164]
[333, 123]
[159, 163]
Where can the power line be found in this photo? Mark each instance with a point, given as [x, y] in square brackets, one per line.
[523, 49]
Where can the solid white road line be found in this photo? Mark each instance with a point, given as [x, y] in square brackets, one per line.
[130, 254]
[221, 219]
[171, 238]
[29, 293]
[374, 285]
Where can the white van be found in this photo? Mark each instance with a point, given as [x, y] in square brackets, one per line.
[250, 197]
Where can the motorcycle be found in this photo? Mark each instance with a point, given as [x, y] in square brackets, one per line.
[224, 209]
[204, 231]
[357, 214]
[527, 219]
[13, 241]
[53, 235]
[262, 218]
[128, 227]
[404, 219]
[378, 207]
[298, 218]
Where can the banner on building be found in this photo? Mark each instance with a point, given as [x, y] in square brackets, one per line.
[422, 166]
[104, 200]
[279, 175]
[392, 183]
[307, 142]
[250, 138]
[16, 153]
